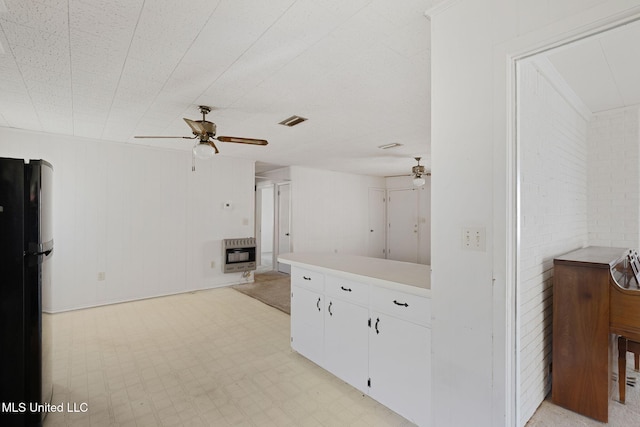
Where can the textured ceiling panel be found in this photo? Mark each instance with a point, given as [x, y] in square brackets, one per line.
[112, 69]
[603, 70]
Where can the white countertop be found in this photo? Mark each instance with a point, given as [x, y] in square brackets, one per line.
[415, 278]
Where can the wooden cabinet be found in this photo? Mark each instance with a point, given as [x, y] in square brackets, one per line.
[581, 337]
[374, 338]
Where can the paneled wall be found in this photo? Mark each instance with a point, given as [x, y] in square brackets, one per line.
[138, 214]
[553, 173]
[330, 210]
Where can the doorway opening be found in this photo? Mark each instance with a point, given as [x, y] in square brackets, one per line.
[265, 213]
[577, 115]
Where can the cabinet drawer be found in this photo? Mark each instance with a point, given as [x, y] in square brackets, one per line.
[307, 278]
[347, 290]
[404, 306]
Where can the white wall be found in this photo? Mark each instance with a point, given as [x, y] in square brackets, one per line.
[473, 156]
[614, 178]
[138, 214]
[330, 210]
[553, 177]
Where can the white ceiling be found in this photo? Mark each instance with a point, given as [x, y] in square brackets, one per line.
[603, 70]
[112, 69]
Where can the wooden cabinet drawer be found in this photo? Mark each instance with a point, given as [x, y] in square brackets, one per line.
[307, 279]
[347, 290]
[402, 305]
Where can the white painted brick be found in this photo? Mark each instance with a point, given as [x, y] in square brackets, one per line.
[555, 204]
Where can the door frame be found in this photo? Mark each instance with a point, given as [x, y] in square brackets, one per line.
[507, 57]
[276, 239]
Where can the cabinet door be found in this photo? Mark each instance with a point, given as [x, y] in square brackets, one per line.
[346, 336]
[400, 366]
[307, 329]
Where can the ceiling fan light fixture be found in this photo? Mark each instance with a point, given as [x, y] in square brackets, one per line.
[417, 172]
[204, 151]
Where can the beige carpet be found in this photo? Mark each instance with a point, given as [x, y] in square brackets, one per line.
[272, 288]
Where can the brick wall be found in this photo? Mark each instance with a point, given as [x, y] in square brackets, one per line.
[614, 181]
[554, 179]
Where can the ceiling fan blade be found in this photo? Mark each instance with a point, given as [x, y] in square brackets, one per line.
[173, 137]
[196, 127]
[242, 140]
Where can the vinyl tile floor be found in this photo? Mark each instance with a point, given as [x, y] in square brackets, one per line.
[209, 358]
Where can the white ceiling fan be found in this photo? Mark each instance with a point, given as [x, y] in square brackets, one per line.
[205, 132]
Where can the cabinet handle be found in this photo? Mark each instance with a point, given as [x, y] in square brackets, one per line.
[404, 304]
[377, 321]
[318, 304]
[330, 313]
[306, 278]
[345, 289]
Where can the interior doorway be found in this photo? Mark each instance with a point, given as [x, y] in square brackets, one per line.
[577, 105]
[265, 221]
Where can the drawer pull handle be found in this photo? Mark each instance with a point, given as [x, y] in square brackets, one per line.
[306, 278]
[376, 326]
[318, 304]
[404, 304]
[345, 289]
[330, 313]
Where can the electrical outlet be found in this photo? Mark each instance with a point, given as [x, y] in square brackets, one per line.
[102, 276]
[474, 239]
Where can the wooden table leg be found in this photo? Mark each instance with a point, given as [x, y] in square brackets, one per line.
[622, 367]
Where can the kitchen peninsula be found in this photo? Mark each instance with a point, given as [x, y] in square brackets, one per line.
[367, 321]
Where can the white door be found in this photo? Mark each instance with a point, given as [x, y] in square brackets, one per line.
[284, 224]
[377, 244]
[346, 341]
[307, 329]
[402, 212]
[400, 366]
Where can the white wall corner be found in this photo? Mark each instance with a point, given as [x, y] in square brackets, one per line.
[549, 71]
[438, 6]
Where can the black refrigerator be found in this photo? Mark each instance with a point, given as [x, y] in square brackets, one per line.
[26, 248]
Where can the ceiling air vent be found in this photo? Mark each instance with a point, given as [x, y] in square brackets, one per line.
[391, 145]
[292, 121]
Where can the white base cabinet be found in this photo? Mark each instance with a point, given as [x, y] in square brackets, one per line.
[307, 331]
[375, 338]
[400, 367]
[346, 346]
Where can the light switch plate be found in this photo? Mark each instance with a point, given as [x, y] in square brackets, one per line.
[474, 239]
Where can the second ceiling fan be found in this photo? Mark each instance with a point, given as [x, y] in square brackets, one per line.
[205, 132]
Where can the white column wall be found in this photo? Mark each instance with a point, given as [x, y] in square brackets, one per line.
[138, 214]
